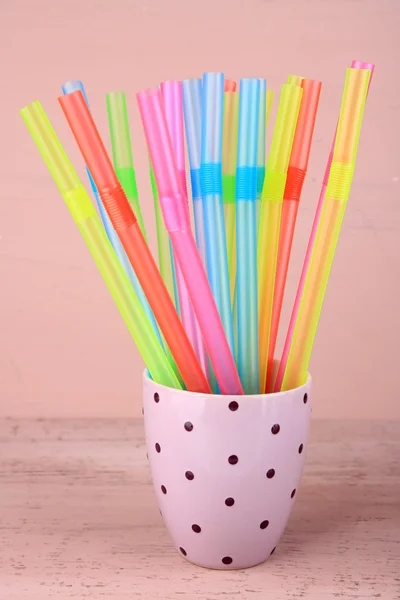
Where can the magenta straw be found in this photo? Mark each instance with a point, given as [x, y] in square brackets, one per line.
[171, 92]
[175, 218]
[356, 64]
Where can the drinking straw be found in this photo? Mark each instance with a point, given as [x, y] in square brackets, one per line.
[211, 187]
[70, 87]
[122, 151]
[261, 145]
[246, 233]
[229, 85]
[333, 209]
[165, 262]
[128, 230]
[229, 156]
[85, 216]
[294, 183]
[282, 365]
[166, 174]
[171, 92]
[191, 96]
[270, 215]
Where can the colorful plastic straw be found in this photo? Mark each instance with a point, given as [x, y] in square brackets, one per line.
[68, 88]
[261, 145]
[127, 227]
[171, 92]
[229, 85]
[165, 259]
[166, 174]
[282, 365]
[334, 206]
[229, 157]
[211, 187]
[246, 233]
[122, 151]
[191, 95]
[85, 216]
[270, 215]
[294, 183]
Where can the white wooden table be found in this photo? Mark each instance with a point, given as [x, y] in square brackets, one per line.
[78, 519]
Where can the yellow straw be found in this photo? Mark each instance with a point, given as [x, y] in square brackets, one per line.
[270, 215]
[337, 193]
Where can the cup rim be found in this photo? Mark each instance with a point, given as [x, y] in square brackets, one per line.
[271, 396]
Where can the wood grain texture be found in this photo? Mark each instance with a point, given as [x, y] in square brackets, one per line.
[78, 519]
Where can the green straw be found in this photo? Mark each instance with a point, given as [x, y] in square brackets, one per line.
[122, 151]
[85, 216]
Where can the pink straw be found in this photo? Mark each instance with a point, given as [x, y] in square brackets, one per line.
[356, 64]
[184, 246]
[171, 92]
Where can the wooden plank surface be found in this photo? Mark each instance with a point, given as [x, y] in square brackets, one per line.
[78, 519]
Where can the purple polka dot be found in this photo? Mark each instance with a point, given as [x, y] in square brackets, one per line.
[233, 459]
[196, 528]
[275, 428]
[188, 426]
[272, 551]
[189, 475]
[292, 495]
[183, 551]
[229, 501]
[233, 405]
[305, 398]
[227, 560]
[264, 524]
[270, 473]
[158, 448]
[163, 489]
[156, 397]
[300, 448]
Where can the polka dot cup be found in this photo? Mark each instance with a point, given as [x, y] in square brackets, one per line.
[226, 469]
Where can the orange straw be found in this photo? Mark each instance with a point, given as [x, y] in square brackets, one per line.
[126, 225]
[294, 183]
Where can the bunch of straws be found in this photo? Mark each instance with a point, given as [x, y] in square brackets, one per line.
[207, 318]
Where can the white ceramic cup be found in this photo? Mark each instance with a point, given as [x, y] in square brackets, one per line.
[226, 469]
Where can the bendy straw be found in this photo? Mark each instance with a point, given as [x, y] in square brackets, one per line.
[246, 234]
[165, 258]
[171, 92]
[333, 209]
[282, 364]
[191, 95]
[270, 215]
[68, 88]
[122, 151]
[294, 183]
[166, 174]
[261, 144]
[211, 189]
[85, 216]
[229, 85]
[128, 230]
[229, 156]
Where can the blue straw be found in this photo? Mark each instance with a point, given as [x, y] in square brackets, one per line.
[68, 88]
[261, 145]
[191, 96]
[211, 191]
[246, 236]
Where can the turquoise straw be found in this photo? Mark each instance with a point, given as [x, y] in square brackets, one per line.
[246, 236]
[68, 88]
[261, 160]
[211, 190]
[191, 97]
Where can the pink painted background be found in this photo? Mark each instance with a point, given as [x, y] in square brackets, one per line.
[64, 349]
